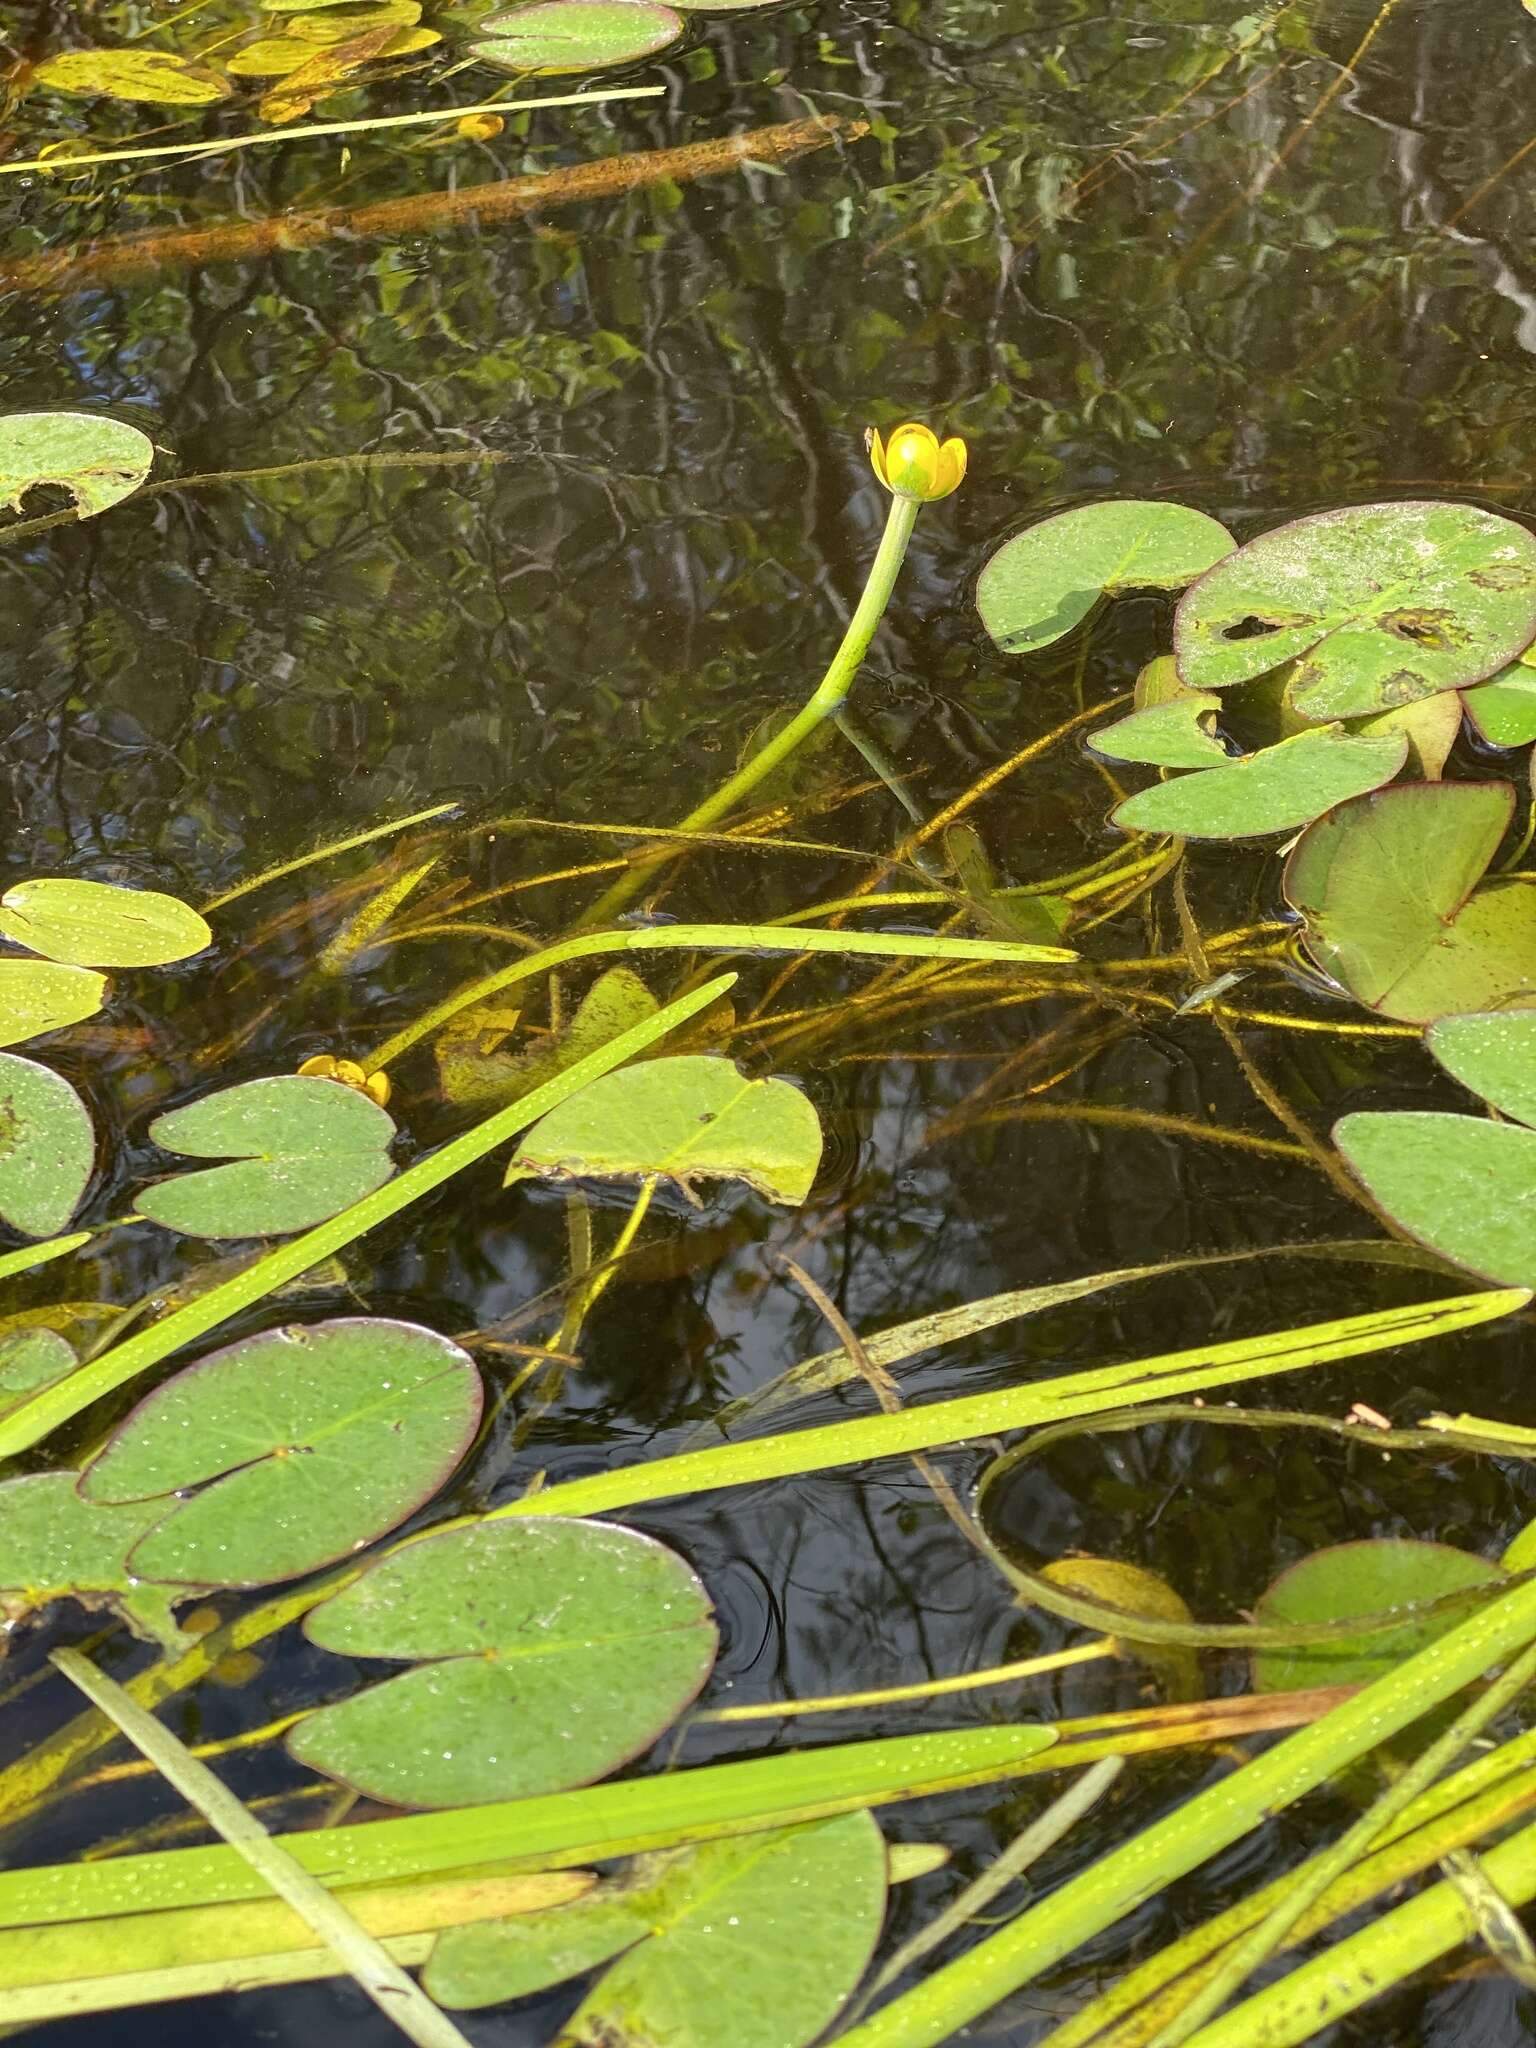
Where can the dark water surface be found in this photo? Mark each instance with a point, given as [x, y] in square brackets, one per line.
[1260, 259]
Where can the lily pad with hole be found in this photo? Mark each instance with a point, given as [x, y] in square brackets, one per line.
[703, 1938]
[1377, 605]
[685, 1119]
[1462, 1185]
[1396, 910]
[555, 36]
[1364, 1578]
[556, 1650]
[302, 1445]
[47, 1148]
[56, 1546]
[1274, 790]
[36, 996]
[97, 459]
[1045, 581]
[154, 76]
[299, 1148]
[98, 924]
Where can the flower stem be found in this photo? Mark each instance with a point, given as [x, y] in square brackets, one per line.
[830, 695]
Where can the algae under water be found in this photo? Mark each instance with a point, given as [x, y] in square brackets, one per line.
[612, 512]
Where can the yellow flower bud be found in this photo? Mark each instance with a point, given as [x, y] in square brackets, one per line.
[325, 1066]
[914, 463]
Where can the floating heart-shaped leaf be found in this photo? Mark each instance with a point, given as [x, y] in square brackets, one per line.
[1171, 727]
[315, 1441]
[56, 1546]
[1504, 708]
[527, 1623]
[688, 1118]
[1493, 1054]
[97, 924]
[555, 36]
[1388, 885]
[1376, 604]
[703, 1937]
[1043, 582]
[1274, 790]
[300, 1149]
[1460, 1184]
[36, 996]
[47, 1147]
[97, 459]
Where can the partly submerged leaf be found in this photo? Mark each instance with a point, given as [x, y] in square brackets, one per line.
[1363, 1578]
[576, 35]
[1171, 727]
[689, 1118]
[1043, 582]
[1377, 605]
[475, 1074]
[1272, 791]
[1460, 1184]
[756, 1941]
[301, 1150]
[152, 75]
[98, 924]
[307, 1443]
[1387, 884]
[29, 1359]
[36, 996]
[332, 25]
[1494, 1054]
[560, 1650]
[47, 1147]
[286, 56]
[1431, 725]
[1138, 1591]
[97, 459]
[1504, 708]
[56, 1546]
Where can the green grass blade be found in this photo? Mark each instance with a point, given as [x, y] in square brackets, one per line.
[1124, 1879]
[32, 1421]
[29, 1255]
[557, 1830]
[399, 1997]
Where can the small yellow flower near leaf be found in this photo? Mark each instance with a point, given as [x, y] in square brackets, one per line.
[914, 463]
[325, 1066]
[479, 127]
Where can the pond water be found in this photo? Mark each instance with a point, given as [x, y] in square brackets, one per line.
[1261, 259]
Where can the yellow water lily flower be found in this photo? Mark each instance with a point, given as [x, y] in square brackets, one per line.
[914, 463]
[325, 1066]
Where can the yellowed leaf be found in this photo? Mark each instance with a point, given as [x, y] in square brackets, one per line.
[152, 75]
[337, 25]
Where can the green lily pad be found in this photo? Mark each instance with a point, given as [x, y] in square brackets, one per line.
[1493, 1054]
[31, 1359]
[1363, 1578]
[560, 1649]
[1043, 582]
[1460, 1184]
[1376, 604]
[97, 924]
[300, 1150]
[555, 36]
[97, 459]
[36, 996]
[758, 1940]
[1388, 886]
[689, 1118]
[1503, 709]
[56, 1546]
[47, 1148]
[305, 1443]
[1274, 790]
[151, 75]
[1171, 727]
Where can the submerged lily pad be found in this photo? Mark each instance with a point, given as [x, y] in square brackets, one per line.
[689, 1118]
[1388, 885]
[1493, 1054]
[300, 1150]
[1376, 604]
[555, 36]
[757, 1940]
[1043, 582]
[97, 459]
[153, 75]
[476, 1075]
[1274, 790]
[560, 1649]
[36, 996]
[1460, 1184]
[306, 1444]
[47, 1147]
[98, 924]
[1363, 1578]
[56, 1546]
[31, 1359]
